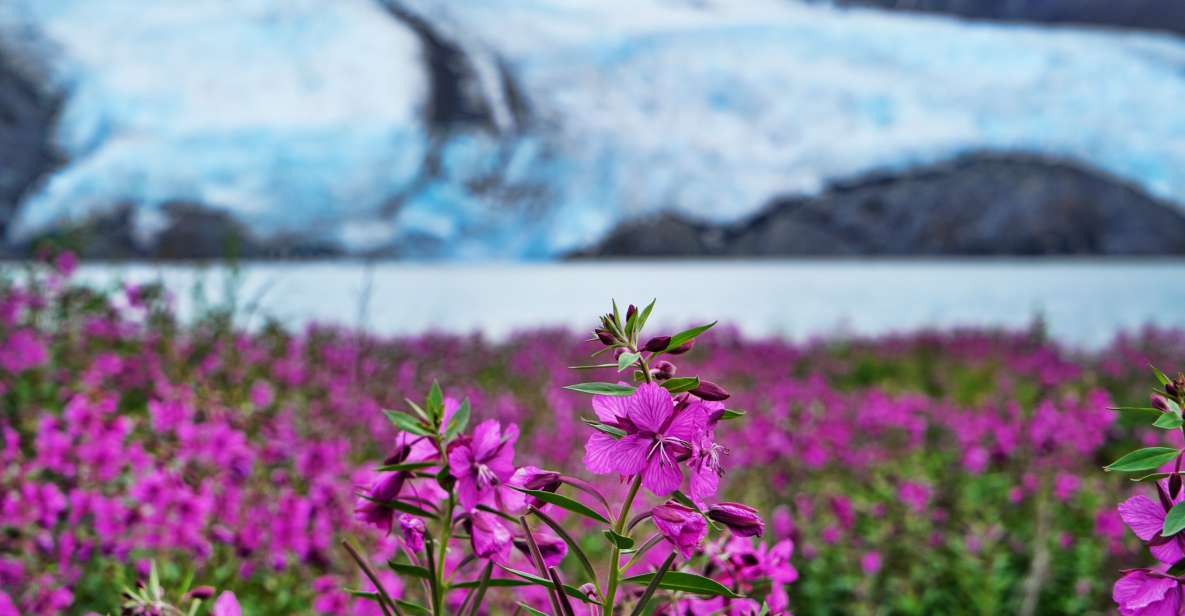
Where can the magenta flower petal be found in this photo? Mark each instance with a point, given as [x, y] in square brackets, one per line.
[683, 526]
[486, 438]
[610, 408]
[226, 605]
[1143, 515]
[1142, 593]
[688, 425]
[1168, 553]
[598, 453]
[650, 407]
[662, 475]
[629, 454]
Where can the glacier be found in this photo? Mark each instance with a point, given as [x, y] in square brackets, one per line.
[306, 118]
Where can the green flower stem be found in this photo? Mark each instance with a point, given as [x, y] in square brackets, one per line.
[615, 554]
[446, 528]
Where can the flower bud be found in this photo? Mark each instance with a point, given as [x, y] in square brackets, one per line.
[710, 391]
[618, 352]
[201, 593]
[683, 348]
[630, 312]
[1174, 485]
[605, 337]
[657, 343]
[535, 478]
[663, 370]
[683, 526]
[412, 529]
[1160, 403]
[741, 519]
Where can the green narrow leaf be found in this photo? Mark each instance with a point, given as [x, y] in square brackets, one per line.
[401, 506]
[413, 608]
[686, 336]
[409, 570]
[732, 414]
[645, 315]
[530, 610]
[681, 383]
[435, 400]
[419, 411]
[621, 541]
[626, 360]
[1168, 421]
[571, 591]
[407, 423]
[460, 419]
[1160, 376]
[363, 594]
[493, 583]
[1138, 414]
[1152, 477]
[606, 428]
[564, 502]
[679, 497]
[1174, 521]
[686, 582]
[406, 466]
[592, 366]
[1145, 459]
[602, 389]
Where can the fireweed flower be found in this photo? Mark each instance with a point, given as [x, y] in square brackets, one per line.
[483, 464]
[1146, 519]
[412, 529]
[489, 536]
[683, 526]
[226, 605]
[657, 437]
[1142, 592]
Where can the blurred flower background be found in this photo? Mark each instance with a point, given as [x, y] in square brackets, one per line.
[941, 238]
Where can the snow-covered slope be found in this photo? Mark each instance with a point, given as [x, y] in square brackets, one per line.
[299, 116]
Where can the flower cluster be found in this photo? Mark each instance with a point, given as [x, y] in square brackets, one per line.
[440, 483]
[1160, 523]
[234, 456]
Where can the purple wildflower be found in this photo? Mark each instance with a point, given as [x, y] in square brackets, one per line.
[683, 526]
[483, 464]
[657, 437]
[1141, 592]
[412, 529]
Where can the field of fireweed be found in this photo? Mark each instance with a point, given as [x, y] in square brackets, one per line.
[953, 472]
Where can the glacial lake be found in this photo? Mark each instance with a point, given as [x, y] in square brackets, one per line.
[1084, 302]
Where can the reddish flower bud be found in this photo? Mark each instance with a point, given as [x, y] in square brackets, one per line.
[657, 343]
[663, 370]
[1160, 403]
[618, 352]
[683, 348]
[710, 391]
[605, 337]
[201, 592]
[741, 519]
[630, 312]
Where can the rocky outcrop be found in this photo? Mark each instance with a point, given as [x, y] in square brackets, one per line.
[1167, 15]
[27, 115]
[984, 204]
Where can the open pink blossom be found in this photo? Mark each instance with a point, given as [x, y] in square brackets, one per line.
[483, 464]
[1146, 519]
[657, 437]
[226, 605]
[1141, 592]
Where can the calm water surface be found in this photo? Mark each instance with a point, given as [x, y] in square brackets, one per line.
[1084, 302]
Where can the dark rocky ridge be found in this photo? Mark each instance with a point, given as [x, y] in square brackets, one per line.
[980, 204]
[1165, 15]
[27, 116]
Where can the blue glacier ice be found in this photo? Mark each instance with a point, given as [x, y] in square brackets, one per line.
[305, 117]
